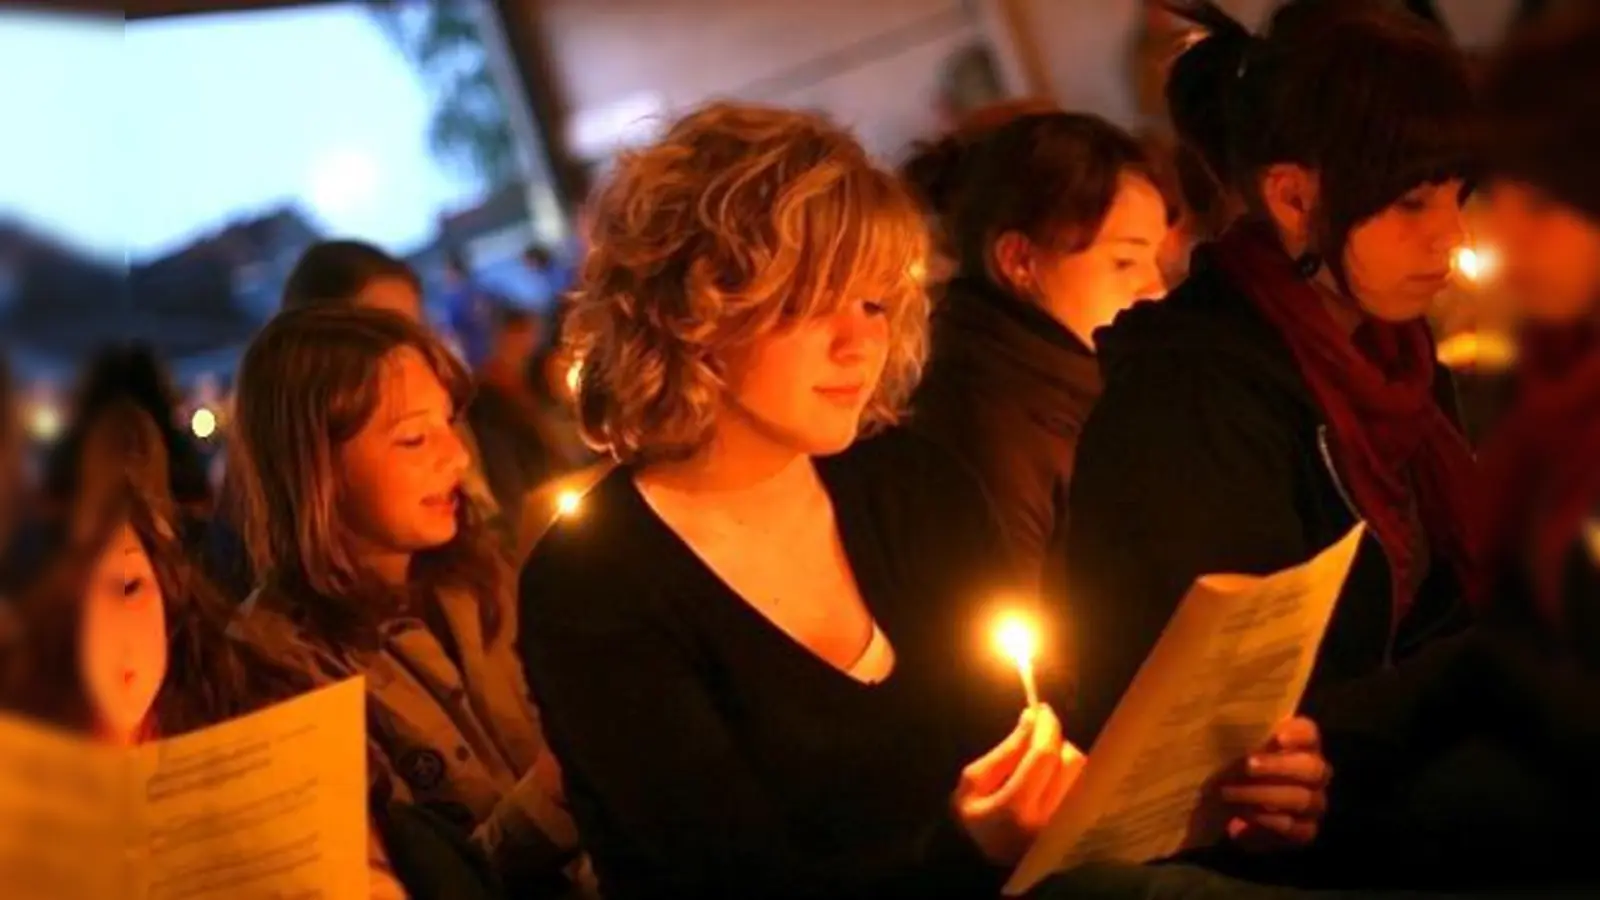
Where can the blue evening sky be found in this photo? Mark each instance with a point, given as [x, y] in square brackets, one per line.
[136, 141]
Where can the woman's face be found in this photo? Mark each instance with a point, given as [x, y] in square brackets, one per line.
[401, 474]
[806, 387]
[1549, 253]
[124, 638]
[1086, 290]
[1398, 261]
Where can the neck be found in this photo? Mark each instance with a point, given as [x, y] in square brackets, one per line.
[1346, 313]
[736, 463]
[120, 737]
[392, 568]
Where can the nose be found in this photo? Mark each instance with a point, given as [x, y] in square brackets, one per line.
[852, 334]
[454, 456]
[1451, 230]
[1154, 284]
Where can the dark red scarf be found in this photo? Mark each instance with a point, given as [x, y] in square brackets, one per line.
[1376, 392]
[1542, 470]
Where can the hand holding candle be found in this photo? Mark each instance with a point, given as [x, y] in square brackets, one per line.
[1017, 639]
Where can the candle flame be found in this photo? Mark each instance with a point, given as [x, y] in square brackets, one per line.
[1476, 264]
[568, 503]
[1017, 638]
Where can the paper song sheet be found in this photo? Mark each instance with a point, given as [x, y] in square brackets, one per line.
[1231, 665]
[271, 806]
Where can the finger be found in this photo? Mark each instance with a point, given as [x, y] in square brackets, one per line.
[1276, 834]
[1295, 800]
[1294, 768]
[1061, 784]
[1037, 765]
[1296, 734]
[986, 774]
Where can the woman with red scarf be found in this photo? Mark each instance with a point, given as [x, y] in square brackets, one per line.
[1288, 390]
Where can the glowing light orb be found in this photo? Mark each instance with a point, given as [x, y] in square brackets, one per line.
[203, 423]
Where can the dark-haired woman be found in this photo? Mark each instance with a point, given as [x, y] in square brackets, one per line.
[1288, 389]
[1478, 766]
[1056, 221]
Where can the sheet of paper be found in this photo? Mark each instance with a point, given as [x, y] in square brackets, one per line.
[1232, 663]
[271, 806]
[62, 803]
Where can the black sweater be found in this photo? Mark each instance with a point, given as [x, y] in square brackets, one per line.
[706, 754]
[1207, 453]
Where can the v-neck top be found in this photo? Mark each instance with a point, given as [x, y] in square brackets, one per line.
[709, 754]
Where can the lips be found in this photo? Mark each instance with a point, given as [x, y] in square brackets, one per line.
[843, 394]
[442, 503]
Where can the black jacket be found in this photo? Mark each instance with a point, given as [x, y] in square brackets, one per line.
[1207, 453]
[1007, 391]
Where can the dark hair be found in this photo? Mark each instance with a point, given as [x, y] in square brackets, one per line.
[336, 272]
[210, 677]
[1542, 107]
[1376, 101]
[538, 256]
[935, 170]
[308, 383]
[507, 316]
[1051, 177]
[131, 374]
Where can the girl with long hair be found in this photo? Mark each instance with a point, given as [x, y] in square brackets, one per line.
[373, 562]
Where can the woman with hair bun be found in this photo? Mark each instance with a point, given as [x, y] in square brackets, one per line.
[1056, 220]
[1288, 389]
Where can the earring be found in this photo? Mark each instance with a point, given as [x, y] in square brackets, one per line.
[1308, 265]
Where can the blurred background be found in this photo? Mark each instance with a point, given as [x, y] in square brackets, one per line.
[162, 174]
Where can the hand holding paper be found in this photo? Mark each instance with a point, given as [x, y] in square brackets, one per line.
[1229, 669]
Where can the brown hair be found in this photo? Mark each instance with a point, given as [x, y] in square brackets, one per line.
[210, 677]
[934, 169]
[336, 272]
[1374, 100]
[741, 220]
[1050, 177]
[309, 382]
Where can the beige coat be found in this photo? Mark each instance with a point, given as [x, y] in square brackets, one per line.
[463, 739]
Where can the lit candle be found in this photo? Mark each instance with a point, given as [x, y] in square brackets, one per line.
[567, 503]
[1018, 640]
[1476, 264]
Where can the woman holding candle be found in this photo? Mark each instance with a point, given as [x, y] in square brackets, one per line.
[1287, 390]
[752, 648]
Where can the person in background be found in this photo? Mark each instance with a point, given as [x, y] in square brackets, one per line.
[133, 374]
[13, 443]
[373, 562]
[1475, 765]
[748, 647]
[517, 441]
[469, 310]
[1057, 220]
[354, 273]
[1288, 390]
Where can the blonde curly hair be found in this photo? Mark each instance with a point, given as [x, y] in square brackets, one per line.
[740, 222]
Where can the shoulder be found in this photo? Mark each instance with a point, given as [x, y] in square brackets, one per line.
[596, 565]
[912, 486]
[265, 623]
